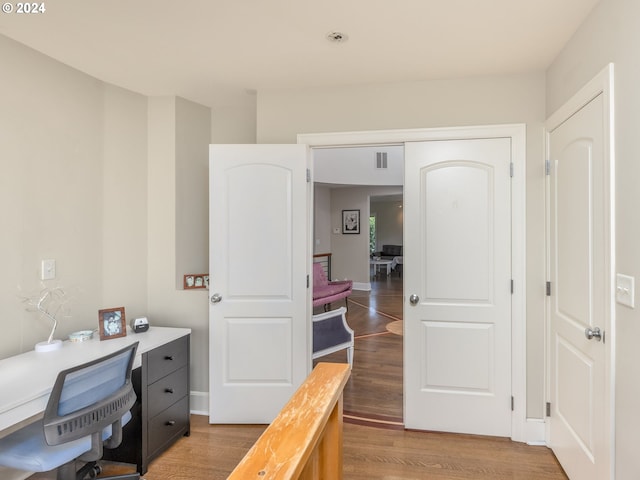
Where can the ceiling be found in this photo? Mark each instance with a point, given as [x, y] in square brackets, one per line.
[220, 52]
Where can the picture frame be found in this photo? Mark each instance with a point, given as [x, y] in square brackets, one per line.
[194, 281]
[350, 221]
[112, 323]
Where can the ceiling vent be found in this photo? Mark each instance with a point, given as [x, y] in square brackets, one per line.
[381, 159]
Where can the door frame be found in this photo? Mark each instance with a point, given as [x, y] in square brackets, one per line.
[522, 429]
[601, 84]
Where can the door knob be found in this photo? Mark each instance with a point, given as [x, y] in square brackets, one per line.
[216, 298]
[414, 299]
[591, 334]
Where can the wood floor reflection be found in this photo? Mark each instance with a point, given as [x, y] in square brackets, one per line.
[374, 390]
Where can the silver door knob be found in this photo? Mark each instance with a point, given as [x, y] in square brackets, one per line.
[591, 334]
[216, 298]
[414, 299]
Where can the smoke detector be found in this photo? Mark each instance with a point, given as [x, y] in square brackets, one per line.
[337, 37]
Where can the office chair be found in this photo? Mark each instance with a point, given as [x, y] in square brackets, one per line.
[86, 410]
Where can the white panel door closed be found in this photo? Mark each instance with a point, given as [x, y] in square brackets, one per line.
[259, 301]
[579, 261]
[457, 313]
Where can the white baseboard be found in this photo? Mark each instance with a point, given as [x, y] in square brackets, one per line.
[365, 287]
[199, 402]
[535, 431]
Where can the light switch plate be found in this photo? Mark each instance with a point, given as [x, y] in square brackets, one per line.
[625, 290]
[48, 270]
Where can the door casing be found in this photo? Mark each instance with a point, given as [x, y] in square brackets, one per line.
[523, 429]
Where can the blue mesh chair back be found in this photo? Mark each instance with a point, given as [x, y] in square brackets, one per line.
[87, 398]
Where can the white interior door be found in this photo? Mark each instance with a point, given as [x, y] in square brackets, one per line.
[457, 350]
[580, 300]
[259, 261]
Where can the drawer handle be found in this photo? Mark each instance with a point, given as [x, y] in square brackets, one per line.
[168, 390]
[168, 357]
[170, 423]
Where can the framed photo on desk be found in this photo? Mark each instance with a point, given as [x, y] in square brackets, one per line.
[112, 323]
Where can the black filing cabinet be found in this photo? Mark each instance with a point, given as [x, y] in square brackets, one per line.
[161, 413]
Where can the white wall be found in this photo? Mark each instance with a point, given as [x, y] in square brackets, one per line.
[611, 34]
[283, 114]
[321, 219]
[193, 130]
[73, 189]
[350, 259]
[358, 165]
[234, 123]
[111, 185]
[124, 183]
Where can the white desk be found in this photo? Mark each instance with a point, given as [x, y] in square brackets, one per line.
[26, 380]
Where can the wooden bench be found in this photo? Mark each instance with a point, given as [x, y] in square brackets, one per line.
[305, 440]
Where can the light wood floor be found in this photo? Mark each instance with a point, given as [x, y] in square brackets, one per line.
[375, 444]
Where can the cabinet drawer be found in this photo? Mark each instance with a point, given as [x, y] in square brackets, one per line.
[168, 390]
[167, 358]
[168, 424]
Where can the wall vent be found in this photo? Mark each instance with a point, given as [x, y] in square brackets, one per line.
[381, 159]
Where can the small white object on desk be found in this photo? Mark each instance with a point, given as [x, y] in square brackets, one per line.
[48, 346]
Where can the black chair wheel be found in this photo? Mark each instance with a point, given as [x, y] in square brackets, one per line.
[95, 471]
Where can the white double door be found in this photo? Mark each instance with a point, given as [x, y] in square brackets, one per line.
[457, 261]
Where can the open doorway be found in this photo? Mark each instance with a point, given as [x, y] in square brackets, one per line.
[349, 179]
[367, 180]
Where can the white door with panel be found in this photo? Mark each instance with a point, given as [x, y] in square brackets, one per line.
[580, 299]
[259, 261]
[457, 350]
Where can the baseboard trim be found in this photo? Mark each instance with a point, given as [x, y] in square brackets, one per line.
[535, 431]
[199, 402]
[365, 287]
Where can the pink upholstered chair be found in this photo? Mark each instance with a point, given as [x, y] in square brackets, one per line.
[326, 292]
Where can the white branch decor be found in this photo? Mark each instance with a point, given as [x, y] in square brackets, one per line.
[50, 302]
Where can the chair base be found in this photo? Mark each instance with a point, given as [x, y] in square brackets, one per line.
[89, 470]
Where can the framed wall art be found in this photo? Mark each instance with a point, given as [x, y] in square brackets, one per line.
[350, 221]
